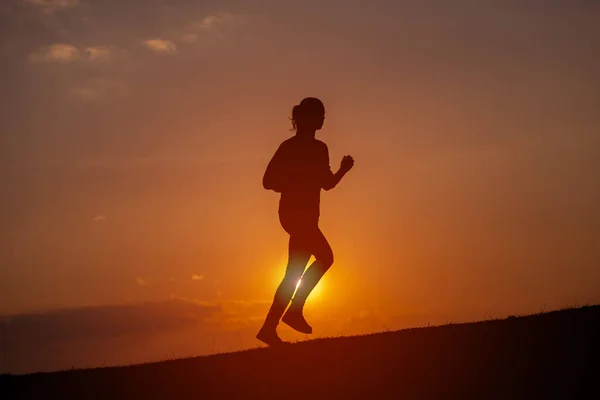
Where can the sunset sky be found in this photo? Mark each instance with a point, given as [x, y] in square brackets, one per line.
[134, 136]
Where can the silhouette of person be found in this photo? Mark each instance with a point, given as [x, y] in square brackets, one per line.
[299, 170]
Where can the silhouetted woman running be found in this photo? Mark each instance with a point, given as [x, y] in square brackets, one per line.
[299, 170]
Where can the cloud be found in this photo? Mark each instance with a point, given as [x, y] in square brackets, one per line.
[150, 317]
[57, 52]
[100, 218]
[212, 21]
[66, 53]
[141, 281]
[196, 277]
[50, 6]
[100, 88]
[208, 23]
[98, 53]
[108, 320]
[112, 334]
[160, 46]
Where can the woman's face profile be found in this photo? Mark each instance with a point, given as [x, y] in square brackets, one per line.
[319, 120]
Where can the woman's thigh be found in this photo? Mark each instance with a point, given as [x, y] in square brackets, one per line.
[306, 239]
[310, 241]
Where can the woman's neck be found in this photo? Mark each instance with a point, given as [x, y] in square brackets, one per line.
[306, 133]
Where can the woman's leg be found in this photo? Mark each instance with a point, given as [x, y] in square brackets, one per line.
[321, 249]
[297, 259]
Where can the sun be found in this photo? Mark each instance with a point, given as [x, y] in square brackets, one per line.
[315, 293]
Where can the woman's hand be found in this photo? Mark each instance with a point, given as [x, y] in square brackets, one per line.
[347, 163]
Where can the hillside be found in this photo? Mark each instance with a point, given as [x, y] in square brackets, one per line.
[544, 356]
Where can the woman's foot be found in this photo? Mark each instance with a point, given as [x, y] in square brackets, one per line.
[294, 318]
[269, 337]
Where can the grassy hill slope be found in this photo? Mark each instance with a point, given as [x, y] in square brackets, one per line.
[550, 355]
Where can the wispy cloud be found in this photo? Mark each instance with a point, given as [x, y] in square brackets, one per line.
[161, 46]
[91, 332]
[197, 277]
[110, 320]
[67, 53]
[208, 23]
[141, 281]
[100, 218]
[57, 52]
[212, 21]
[50, 6]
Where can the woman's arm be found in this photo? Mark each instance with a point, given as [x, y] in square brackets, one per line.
[273, 178]
[330, 179]
[333, 179]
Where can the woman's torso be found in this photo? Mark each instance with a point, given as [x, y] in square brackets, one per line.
[305, 164]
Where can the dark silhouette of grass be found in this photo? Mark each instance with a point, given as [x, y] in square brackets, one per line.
[551, 355]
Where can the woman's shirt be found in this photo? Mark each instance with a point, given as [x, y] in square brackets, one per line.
[299, 170]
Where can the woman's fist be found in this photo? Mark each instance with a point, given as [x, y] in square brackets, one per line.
[347, 163]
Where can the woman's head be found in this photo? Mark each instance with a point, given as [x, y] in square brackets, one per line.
[308, 115]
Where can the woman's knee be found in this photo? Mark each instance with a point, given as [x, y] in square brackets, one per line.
[326, 259]
[295, 269]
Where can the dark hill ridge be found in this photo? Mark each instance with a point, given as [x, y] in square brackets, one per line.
[542, 356]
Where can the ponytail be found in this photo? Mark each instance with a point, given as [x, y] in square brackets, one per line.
[295, 115]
